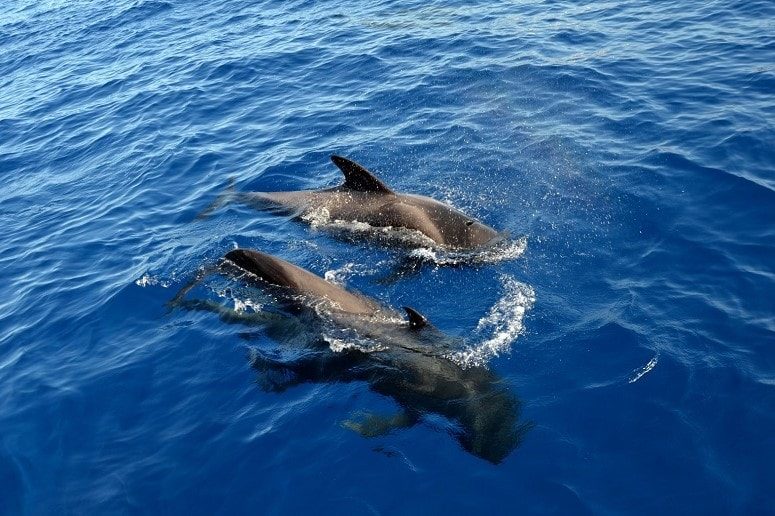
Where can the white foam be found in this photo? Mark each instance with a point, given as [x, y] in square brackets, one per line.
[504, 250]
[341, 343]
[241, 305]
[147, 280]
[244, 305]
[498, 330]
[396, 234]
[423, 247]
[317, 217]
[639, 373]
[342, 274]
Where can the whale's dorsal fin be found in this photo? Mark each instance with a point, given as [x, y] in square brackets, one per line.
[416, 319]
[357, 178]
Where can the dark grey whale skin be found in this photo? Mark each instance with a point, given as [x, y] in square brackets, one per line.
[364, 198]
[411, 368]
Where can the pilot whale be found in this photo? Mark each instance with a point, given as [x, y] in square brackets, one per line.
[364, 198]
[410, 365]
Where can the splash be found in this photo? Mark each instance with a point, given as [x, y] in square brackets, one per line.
[422, 247]
[242, 306]
[395, 235]
[503, 250]
[317, 217]
[342, 339]
[146, 280]
[500, 327]
[340, 275]
[388, 234]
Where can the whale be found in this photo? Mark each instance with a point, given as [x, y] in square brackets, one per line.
[365, 199]
[410, 360]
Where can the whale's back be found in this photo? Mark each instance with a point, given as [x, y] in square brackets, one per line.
[279, 273]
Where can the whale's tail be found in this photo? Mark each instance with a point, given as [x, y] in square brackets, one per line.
[223, 199]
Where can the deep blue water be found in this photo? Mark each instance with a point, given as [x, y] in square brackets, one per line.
[629, 143]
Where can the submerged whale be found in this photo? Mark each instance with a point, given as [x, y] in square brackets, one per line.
[364, 198]
[410, 363]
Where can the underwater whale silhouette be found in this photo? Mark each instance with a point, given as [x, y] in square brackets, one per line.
[409, 364]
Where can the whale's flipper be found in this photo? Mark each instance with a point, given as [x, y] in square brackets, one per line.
[375, 425]
[416, 319]
[357, 178]
[201, 274]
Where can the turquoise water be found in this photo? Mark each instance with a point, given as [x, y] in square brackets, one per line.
[626, 147]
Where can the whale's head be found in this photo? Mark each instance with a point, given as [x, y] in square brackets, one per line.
[490, 419]
[478, 234]
[454, 228]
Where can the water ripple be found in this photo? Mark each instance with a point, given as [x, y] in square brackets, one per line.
[630, 144]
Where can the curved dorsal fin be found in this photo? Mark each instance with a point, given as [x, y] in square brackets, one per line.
[416, 319]
[358, 178]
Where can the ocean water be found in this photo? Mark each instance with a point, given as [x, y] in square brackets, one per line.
[627, 147]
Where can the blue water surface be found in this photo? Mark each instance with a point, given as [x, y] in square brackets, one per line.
[630, 143]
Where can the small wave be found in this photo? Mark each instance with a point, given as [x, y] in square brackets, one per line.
[500, 327]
